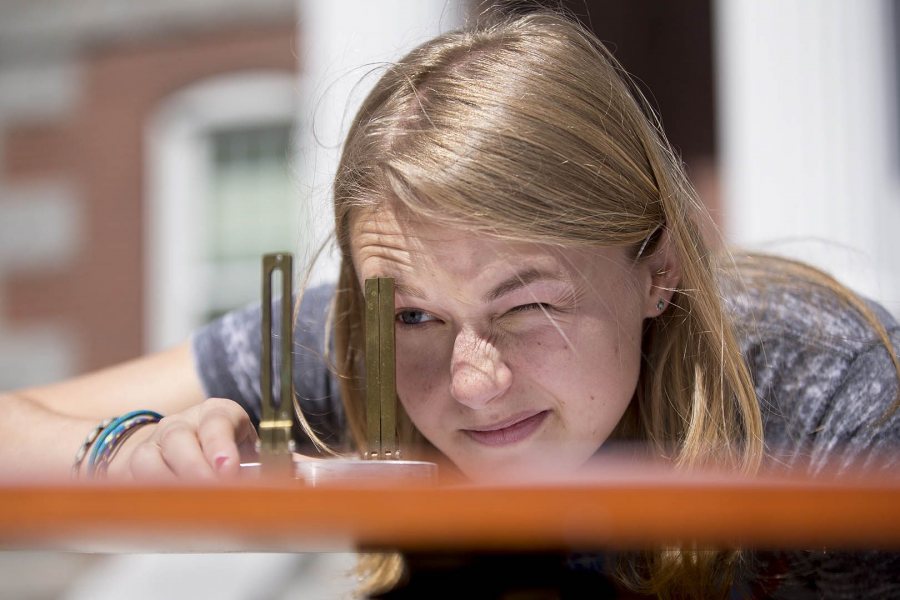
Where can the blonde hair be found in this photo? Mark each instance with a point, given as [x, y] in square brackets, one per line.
[528, 129]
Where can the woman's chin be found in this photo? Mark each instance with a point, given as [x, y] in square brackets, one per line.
[523, 468]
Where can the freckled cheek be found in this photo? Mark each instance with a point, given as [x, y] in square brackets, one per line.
[592, 376]
[608, 388]
[541, 353]
[422, 371]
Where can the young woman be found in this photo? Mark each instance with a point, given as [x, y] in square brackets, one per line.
[554, 296]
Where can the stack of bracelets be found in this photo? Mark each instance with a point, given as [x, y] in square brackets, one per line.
[107, 437]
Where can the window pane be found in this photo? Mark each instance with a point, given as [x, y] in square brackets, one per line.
[250, 206]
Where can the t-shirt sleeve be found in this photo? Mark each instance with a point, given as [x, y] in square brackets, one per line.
[227, 359]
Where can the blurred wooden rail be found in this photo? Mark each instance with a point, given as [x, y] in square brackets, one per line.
[284, 516]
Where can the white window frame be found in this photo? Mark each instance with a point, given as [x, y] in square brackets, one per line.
[177, 185]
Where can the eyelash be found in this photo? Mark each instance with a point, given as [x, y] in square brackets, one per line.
[541, 306]
[408, 311]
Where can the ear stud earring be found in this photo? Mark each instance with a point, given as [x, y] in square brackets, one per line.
[661, 304]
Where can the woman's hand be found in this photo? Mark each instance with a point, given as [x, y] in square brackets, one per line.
[205, 441]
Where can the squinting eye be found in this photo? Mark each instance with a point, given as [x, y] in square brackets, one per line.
[414, 317]
[538, 306]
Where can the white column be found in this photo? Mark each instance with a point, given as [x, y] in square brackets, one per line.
[343, 47]
[808, 135]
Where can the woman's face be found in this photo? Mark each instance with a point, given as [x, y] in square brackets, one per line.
[511, 357]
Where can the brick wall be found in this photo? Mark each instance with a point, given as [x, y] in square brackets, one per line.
[93, 158]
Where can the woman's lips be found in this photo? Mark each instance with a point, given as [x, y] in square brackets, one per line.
[503, 434]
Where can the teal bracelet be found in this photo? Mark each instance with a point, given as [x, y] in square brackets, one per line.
[112, 436]
[86, 446]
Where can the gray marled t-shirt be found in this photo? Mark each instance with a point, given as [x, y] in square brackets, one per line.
[824, 382]
[823, 378]
[227, 358]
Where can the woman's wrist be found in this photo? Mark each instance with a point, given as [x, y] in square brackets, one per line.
[85, 449]
[118, 466]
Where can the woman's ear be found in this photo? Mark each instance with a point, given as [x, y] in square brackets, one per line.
[663, 274]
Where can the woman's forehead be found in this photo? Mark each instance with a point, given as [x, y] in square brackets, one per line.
[386, 227]
[383, 241]
[385, 223]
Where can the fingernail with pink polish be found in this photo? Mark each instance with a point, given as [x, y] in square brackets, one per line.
[221, 462]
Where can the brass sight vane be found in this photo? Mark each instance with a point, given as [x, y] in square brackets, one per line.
[276, 444]
[381, 388]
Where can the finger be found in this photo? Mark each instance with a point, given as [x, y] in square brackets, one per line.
[248, 440]
[180, 448]
[146, 463]
[220, 433]
[249, 449]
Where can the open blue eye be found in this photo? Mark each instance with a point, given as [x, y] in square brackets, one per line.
[414, 317]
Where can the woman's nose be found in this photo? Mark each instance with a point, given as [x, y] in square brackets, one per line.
[478, 373]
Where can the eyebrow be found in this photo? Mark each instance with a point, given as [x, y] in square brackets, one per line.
[408, 290]
[520, 280]
[516, 282]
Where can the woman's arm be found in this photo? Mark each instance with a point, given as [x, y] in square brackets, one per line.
[43, 427]
[165, 382]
